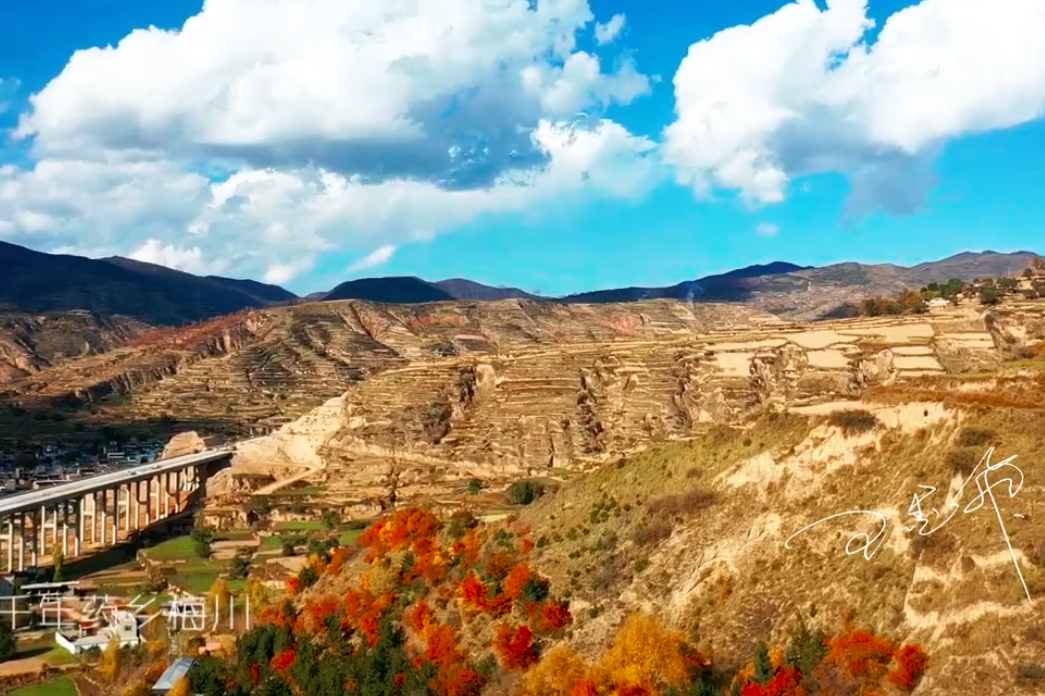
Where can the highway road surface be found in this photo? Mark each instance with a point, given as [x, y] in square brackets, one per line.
[34, 500]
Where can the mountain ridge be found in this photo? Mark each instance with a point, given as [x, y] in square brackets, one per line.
[160, 296]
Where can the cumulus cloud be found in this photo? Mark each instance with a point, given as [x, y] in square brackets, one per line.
[608, 32]
[441, 91]
[260, 135]
[379, 256]
[767, 229]
[277, 221]
[802, 91]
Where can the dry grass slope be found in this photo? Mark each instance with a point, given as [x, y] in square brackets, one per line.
[696, 532]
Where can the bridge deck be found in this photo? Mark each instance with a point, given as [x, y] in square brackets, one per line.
[33, 500]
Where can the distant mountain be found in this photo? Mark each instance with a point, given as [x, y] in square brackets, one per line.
[35, 282]
[411, 290]
[721, 287]
[463, 289]
[263, 293]
[809, 292]
[392, 290]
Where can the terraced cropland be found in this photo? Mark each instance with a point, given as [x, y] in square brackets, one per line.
[422, 430]
[271, 366]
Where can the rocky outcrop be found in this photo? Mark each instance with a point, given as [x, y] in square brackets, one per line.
[184, 443]
[1018, 330]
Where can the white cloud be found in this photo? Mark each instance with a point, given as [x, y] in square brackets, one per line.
[800, 92]
[443, 91]
[155, 251]
[608, 32]
[766, 229]
[263, 134]
[276, 222]
[280, 273]
[379, 256]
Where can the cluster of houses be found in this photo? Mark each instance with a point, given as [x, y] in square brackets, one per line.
[57, 463]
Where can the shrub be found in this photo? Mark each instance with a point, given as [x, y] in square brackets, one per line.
[475, 486]
[976, 437]
[651, 533]
[681, 504]
[7, 642]
[853, 421]
[239, 567]
[202, 539]
[460, 522]
[330, 519]
[524, 492]
[307, 577]
[963, 461]
[1030, 674]
[990, 296]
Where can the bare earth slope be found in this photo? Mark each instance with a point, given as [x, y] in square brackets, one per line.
[420, 431]
[33, 342]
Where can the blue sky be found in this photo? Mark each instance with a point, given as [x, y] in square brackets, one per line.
[823, 145]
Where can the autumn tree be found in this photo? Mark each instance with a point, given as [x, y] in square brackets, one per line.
[257, 594]
[856, 662]
[219, 597]
[911, 663]
[648, 656]
[111, 664]
[557, 674]
[57, 561]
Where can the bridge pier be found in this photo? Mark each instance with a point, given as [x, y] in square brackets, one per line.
[98, 511]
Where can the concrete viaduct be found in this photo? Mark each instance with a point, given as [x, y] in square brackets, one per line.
[98, 511]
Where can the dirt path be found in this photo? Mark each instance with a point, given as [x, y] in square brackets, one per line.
[277, 485]
[18, 668]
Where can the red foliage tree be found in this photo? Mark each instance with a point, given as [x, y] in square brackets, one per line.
[317, 611]
[515, 646]
[420, 616]
[553, 616]
[856, 662]
[293, 586]
[911, 663]
[516, 581]
[338, 560]
[441, 645]
[473, 592]
[466, 550]
[283, 660]
[786, 682]
[584, 687]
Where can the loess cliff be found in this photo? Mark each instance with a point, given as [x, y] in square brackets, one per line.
[420, 430]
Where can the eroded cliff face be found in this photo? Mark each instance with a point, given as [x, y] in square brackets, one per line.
[30, 343]
[1017, 330]
[423, 429]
